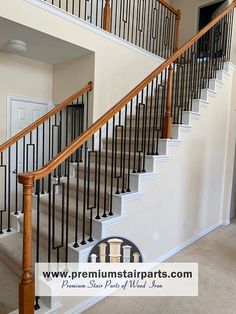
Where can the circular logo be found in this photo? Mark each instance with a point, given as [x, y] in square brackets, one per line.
[115, 250]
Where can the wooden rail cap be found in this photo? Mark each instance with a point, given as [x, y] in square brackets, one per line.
[168, 6]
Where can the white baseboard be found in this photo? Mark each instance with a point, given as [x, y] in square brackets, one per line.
[185, 244]
[84, 306]
[226, 222]
[94, 300]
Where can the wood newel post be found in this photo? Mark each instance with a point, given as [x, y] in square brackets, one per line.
[177, 30]
[107, 16]
[167, 127]
[26, 287]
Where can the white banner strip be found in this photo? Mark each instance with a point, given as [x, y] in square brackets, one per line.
[120, 279]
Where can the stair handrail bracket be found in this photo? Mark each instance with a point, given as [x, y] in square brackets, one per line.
[107, 152]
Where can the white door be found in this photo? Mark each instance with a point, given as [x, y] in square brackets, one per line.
[22, 113]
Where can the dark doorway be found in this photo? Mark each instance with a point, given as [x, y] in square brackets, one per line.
[206, 13]
[206, 45]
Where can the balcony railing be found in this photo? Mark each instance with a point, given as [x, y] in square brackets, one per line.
[152, 25]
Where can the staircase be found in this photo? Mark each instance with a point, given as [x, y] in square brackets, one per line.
[85, 177]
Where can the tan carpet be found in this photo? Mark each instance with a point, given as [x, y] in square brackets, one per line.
[8, 289]
[216, 255]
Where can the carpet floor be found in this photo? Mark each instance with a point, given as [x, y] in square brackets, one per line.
[9, 282]
[216, 255]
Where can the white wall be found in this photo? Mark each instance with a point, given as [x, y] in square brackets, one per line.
[117, 68]
[22, 77]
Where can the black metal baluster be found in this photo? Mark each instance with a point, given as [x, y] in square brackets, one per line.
[49, 215]
[84, 192]
[115, 26]
[135, 134]
[133, 24]
[2, 165]
[144, 25]
[150, 102]
[123, 190]
[58, 245]
[76, 244]
[99, 173]
[120, 17]
[144, 143]
[102, 13]
[23, 168]
[50, 143]
[16, 181]
[156, 117]
[67, 208]
[93, 206]
[37, 192]
[149, 28]
[130, 144]
[79, 9]
[9, 191]
[105, 178]
[112, 165]
[118, 174]
[129, 22]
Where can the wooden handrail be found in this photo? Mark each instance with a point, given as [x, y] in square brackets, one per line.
[69, 150]
[168, 6]
[45, 117]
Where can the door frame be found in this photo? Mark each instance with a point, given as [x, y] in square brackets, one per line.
[200, 6]
[10, 98]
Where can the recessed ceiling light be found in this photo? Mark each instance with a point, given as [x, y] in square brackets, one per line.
[17, 46]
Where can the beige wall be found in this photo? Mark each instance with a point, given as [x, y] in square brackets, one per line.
[117, 68]
[230, 190]
[22, 77]
[71, 76]
[229, 185]
[233, 50]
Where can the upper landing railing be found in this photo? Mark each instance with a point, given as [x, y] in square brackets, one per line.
[152, 25]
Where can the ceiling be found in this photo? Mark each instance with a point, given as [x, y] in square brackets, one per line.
[40, 46]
